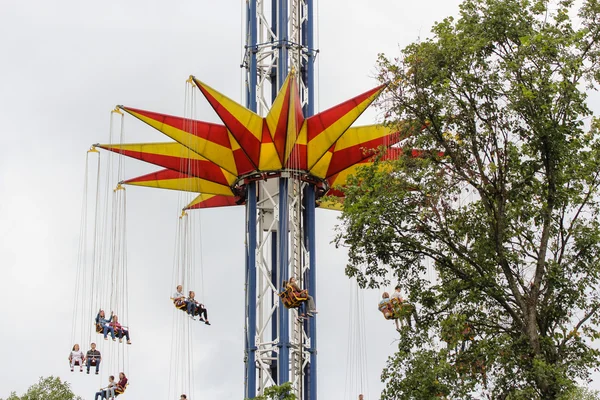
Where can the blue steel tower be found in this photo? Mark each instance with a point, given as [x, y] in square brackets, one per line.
[280, 240]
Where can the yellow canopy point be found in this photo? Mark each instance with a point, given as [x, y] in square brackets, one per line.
[119, 187]
[93, 149]
[117, 110]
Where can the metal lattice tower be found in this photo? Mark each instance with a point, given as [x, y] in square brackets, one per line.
[280, 238]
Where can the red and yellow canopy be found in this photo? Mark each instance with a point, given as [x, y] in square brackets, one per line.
[210, 159]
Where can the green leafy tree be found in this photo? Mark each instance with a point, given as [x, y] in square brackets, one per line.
[281, 392]
[50, 388]
[501, 201]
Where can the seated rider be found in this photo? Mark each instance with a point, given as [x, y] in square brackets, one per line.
[104, 324]
[107, 392]
[397, 294]
[93, 357]
[312, 309]
[122, 384]
[120, 330]
[194, 308]
[399, 300]
[179, 298]
[385, 306]
[76, 357]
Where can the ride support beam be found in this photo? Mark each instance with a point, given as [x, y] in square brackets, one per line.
[282, 34]
[251, 291]
[310, 203]
[253, 68]
[309, 109]
[283, 266]
[309, 226]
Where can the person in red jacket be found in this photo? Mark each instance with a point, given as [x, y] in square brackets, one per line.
[122, 384]
[120, 330]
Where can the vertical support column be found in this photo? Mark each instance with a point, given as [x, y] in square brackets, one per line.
[252, 48]
[284, 334]
[251, 291]
[275, 68]
[310, 231]
[282, 67]
[251, 213]
[282, 34]
[275, 299]
[309, 207]
[310, 44]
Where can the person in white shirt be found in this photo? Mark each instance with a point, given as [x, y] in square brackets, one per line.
[76, 358]
[397, 295]
[179, 298]
[107, 392]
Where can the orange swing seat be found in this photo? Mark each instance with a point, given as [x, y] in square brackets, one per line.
[292, 299]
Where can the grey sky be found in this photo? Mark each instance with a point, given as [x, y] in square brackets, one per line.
[64, 64]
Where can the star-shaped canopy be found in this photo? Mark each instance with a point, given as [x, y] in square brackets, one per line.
[216, 160]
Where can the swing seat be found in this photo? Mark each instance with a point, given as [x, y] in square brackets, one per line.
[120, 390]
[387, 314]
[387, 310]
[93, 362]
[180, 305]
[292, 299]
[99, 328]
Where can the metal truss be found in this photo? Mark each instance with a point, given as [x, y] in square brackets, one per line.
[280, 210]
[277, 39]
[279, 347]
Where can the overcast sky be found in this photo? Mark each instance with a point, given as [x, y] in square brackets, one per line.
[64, 64]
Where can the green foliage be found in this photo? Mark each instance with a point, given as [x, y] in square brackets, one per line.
[501, 200]
[580, 393]
[49, 388]
[281, 392]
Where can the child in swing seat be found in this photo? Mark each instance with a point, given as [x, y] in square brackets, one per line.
[76, 357]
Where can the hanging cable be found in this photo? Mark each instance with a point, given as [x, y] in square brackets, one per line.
[101, 276]
[111, 261]
[187, 260]
[81, 327]
[356, 356]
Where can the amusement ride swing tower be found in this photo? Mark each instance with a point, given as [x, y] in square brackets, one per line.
[278, 158]
[280, 223]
